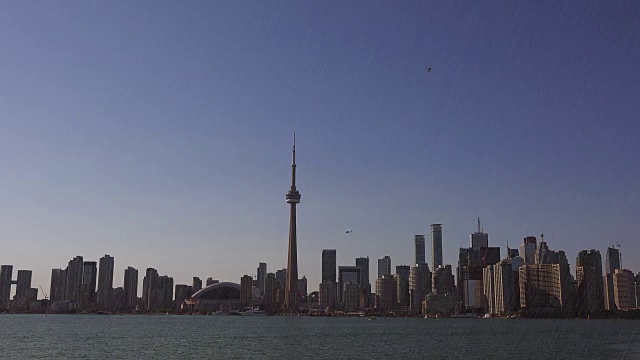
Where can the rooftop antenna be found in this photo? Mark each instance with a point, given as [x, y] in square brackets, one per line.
[479, 230]
[619, 254]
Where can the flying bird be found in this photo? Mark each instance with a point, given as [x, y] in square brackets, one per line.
[429, 70]
[349, 231]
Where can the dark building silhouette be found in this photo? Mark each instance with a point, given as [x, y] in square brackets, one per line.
[590, 284]
[293, 198]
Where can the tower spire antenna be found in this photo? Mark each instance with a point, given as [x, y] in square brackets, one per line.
[479, 226]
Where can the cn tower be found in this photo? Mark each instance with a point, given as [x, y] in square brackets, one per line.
[293, 198]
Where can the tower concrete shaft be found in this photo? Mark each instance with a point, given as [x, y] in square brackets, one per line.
[293, 198]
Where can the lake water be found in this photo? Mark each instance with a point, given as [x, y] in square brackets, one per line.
[239, 337]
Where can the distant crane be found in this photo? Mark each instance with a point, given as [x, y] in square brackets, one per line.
[46, 312]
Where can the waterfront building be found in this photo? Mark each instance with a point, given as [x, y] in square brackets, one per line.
[302, 287]
[150, 290]
[183, 292]
[89, 281]
[246, 291]
[386, 293]
[479, 239]
[118, 301]
[329, 265]
[384, 266]
[75, 268]
[543, 286]
[469, 273]
[623, 289]
[591, 294]
[436, 245]
[419, 285]
[211, 281]
[420, 249]
[270, 287]
[58, 280]
[636, 285]
[6, 278]
[23, 285]
[435, 303]
[489, 287]
[293, 199]
[261, 276]
[609, 298]
[327, 296]
[348, 274]
[402, 287]
[130, 288]
[363, 264]
[281, 276]
[401, 291]
[165, 287]
[351, 296]
[105, 281]
[197, 284]
[443, 281]
[506, 285]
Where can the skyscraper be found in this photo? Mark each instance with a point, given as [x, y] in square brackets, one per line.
[293, 198]
[89, 280]
[281, 277]
[23, 284]
[363, 264]
[74, 279]
[211, 281]
[183, 292]
[6, 274]
[402, 284]
[479, 238]
[346, 274]
[56, 291]
[105, 281]
[329, 265]
[197, 284]
[419, 285]
[270, 287]
[165, 284]
[384, 266]
[623, 290]
[386, 293]
[150, 290]
[261, 275]
[443, 280]
[130, 287]
[613, 260]
[436, 245]
[246, 291]
[590, 284]
[420, 249]
[528, 250]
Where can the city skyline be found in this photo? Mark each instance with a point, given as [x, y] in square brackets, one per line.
[166, 146]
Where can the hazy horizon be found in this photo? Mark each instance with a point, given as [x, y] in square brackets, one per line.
[160, 133]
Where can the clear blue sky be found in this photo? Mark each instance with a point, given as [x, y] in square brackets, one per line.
[160, 132]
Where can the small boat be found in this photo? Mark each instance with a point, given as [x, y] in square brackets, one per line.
[372, 318]
[254, 312]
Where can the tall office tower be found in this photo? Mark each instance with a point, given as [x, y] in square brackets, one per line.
[613, 260]
[197, 284]
[443, 282]
[489, 289]
[363, 264]
[479, 239]
[246, 291]
[150, 290]
[183, 292]
[74, 279]
[89, 280]
[261, 275]
[402, 286]
[329, 265]
[55, 290]
[623, 290]
[541, 287]
[436, 245]
[384, 266]
[528, 250]
[590, 284]
[505, 281]
[270, 287]
[347, 274]
[6, 277]
[23, 284]
[165, 284]
[105, 283]
[351, 296]
[293, 198]
[419, 285]
[420, 249]
[327, 296]
[302, 286]
[211, 281]
[281, 276]
[385, 293]
[130, 288]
